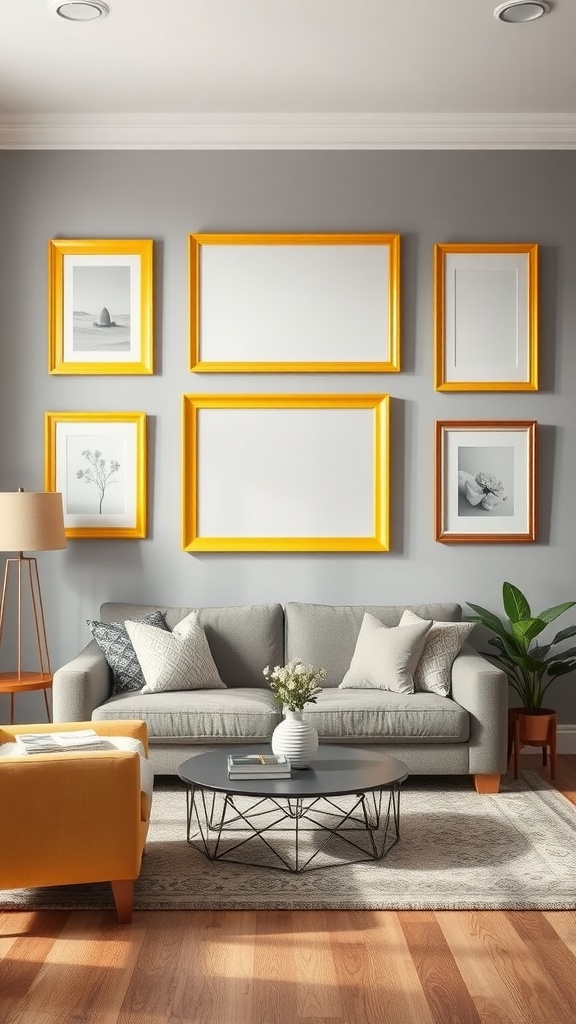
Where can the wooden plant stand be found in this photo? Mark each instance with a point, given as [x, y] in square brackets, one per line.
[532, 729]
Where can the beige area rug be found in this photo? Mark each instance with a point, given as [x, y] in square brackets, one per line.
[457, 850]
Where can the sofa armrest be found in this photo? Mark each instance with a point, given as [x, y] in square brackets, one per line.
[482, 689]
[81, 686]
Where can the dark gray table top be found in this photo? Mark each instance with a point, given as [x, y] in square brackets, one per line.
[335, 771]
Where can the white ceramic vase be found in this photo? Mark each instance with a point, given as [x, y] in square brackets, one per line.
[296, 739]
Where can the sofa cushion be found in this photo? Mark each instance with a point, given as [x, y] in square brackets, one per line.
[116, 646]
[382, 716]
[442, 643]
[243, 639]
[385, 657]
[198, 715]
[325, 635]
[180, 660]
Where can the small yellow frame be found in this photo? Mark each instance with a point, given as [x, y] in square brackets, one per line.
[258, 478]
[61, 425]
[77, 252]
[295, 295]
[511, 274]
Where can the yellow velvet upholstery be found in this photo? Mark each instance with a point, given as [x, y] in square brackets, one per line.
[74, 817]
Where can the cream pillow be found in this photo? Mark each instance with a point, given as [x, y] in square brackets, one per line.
[443, 642]
[180, 660]
[385, 657]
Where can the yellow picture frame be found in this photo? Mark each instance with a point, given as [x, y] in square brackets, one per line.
[98, 461]
[286, 473]
[486, 317]
[294, 303]
[100, 306]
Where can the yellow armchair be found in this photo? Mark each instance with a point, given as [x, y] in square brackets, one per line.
[71, 818]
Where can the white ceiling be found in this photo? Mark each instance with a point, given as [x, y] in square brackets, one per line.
[361, 73]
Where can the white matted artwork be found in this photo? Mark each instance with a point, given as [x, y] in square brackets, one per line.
[100, 306]
[286, 473]
[98, 462]
[485, 481]
[486, 317]
[294, 302]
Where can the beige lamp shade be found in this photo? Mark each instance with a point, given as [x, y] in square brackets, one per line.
[31, 521]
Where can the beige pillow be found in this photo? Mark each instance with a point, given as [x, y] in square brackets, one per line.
[180, 660]
[385, 657]
[443, 642]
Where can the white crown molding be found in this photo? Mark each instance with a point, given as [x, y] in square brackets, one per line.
[288, 131]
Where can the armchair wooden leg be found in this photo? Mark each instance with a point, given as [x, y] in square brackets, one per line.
[487, 783]
[123, 891]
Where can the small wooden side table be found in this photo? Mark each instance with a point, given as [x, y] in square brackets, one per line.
[13, 683]
[519, 735]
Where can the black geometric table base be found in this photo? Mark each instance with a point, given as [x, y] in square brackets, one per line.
[293, 832]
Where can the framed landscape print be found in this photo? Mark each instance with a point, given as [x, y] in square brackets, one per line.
[100, 306]
[98, 462]
[485, 481]
[286, 473]
[486, 317]
[285, 303]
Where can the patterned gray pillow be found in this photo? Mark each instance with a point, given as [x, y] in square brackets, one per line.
[116, 646]
[443, 643]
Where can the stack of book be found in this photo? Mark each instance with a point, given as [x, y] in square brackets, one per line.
[258, 766]
[50, 742]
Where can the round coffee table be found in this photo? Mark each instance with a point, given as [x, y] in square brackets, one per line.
[347, 803]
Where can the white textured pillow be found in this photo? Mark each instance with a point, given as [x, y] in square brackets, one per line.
[180, 660]
[385, 657]
[443, 642]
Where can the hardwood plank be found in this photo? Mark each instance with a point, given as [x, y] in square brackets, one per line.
[564, 924]
[275, 997]
[555, 960]
[25, 957]
[448, 999]
[318, 994]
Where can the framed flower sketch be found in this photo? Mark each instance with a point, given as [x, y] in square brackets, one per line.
[286, 473]
[98, 461]
[486, 317]
[284, 303]
[100, 306]
[485, 481]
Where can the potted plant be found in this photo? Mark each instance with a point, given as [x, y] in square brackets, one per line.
[294, 685]
[531, 667]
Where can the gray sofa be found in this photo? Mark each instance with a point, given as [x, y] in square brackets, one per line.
[463, 734]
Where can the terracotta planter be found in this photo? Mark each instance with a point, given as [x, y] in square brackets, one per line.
[534, 726]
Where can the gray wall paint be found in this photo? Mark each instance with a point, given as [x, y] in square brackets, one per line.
[425, 196]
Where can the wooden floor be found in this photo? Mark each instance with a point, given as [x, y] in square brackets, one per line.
[284, 967]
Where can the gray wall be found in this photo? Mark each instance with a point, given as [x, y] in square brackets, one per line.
[425, 196]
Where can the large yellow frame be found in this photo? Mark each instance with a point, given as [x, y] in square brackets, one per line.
[58, 249]
[51, 421]
[379, 541]
[441, 250]
[390, 363]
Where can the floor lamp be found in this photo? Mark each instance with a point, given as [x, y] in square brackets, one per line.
[29, 521]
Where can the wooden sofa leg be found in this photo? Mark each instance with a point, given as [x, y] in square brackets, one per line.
[487, 783]
[123, 891]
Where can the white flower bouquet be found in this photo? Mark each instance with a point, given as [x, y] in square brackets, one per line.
[295, 684]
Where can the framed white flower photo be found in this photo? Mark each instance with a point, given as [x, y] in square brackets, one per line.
[485, 481]
[98, 462]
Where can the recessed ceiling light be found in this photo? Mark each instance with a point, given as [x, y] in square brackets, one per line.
[516, 11]
[80, 10]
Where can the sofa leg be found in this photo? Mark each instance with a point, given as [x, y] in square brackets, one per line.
[123, 891]
[487, 783]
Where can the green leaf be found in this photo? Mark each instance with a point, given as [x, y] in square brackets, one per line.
[566, 655]
[552, 613]
[526, 629]
[487, 618]
[515, 604]
[564, 634]
[561, 669]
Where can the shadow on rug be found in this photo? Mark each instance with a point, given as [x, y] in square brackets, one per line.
[457, 851]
